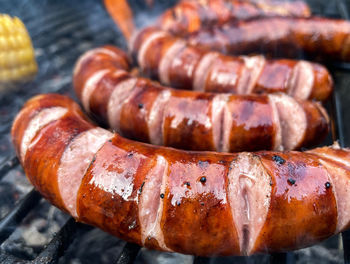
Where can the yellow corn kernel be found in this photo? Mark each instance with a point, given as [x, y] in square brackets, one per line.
[17, 59]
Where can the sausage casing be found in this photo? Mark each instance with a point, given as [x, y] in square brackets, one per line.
[176, 63]
[191, 15]
[199, 203]
[317, 38]
[141, 109]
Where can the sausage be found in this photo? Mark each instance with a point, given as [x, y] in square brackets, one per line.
[191, 15]
[317, 38]
[172, 61]
[199, 203]
[143, 110]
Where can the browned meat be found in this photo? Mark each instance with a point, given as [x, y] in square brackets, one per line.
[318, 38]
[192, 15]
[200, 203]
[141, 109]
[174, 62]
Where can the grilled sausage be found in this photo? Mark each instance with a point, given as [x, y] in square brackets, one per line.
[141, 109]
[192, 15]
[175, 63]
[199, 203]
[318, 38]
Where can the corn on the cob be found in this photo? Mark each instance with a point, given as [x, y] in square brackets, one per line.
[17, 60]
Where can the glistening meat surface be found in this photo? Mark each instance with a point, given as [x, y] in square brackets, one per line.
[144, 110]
[200, 203]
[191, 15]
[315, 37]
[175, 62]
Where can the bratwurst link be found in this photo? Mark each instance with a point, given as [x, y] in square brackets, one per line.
[200, 203]
[192, 15]
[319, 38]
[174, 62]
[141, 109]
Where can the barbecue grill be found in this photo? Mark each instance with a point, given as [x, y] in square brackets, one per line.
[61, 31]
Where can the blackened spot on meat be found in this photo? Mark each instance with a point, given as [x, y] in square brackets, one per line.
[92, 161]
[291, 181]
[140, 105]
[271, 183]
[110, 140]
[130, 154]
[187, 184]
[202, 204]
[203, 179]
[231, 166]
[178, 203]
[328, 185]
[203, 164]
[162, 195]
[140, 190]
[75, 131]
[246, 235]
[278, 159]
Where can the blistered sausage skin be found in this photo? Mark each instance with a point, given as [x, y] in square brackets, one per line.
[199, 203]
[143, 110]
[176, 63]
[191, 15]
[317, 38]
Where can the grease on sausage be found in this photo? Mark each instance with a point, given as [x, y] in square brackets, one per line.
[146, 111]
[228, 204]
[174, 62]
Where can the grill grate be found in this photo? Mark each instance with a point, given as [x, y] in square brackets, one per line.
[73, 29]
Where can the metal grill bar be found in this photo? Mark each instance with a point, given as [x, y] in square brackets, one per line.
[340, 136]
[129, 254]
[36, 21]
[278, 258]
[342, 9]
[59, 243]
[201, 260]
[337, 118]
[8, 165]
[346, 246]
[9, 223]
[58, 26]
[9, 259]
[59, 19]
[84, 34]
